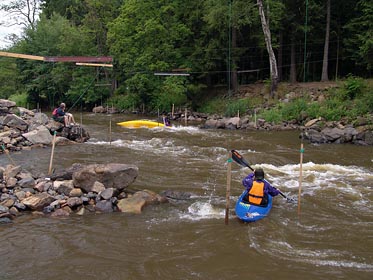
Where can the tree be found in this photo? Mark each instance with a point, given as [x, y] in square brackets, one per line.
[324, 74]
[271, 54]
[148, 37]
[359, 43]
[22, 12]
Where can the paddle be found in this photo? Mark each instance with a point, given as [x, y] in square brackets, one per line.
[241, 161]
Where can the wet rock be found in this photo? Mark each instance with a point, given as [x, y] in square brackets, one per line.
[107, 193]
[135, 203]
[62, 212]
[104, 206]
[38, 201]
[66, 174]
[132, 205]
[74, 202]
[114, 175]
[177, 195]
[5, 220]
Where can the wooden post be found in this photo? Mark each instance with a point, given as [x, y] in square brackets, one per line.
[238, 113]
[228, 193]
[52, 153]
[186, 116]
[110, 131]
[255, 117]
[300, 176]
[172, 110]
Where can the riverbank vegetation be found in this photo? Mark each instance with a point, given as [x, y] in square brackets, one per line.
[199, 55]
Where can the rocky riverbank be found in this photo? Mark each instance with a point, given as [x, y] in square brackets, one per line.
[22, 129]
[317, 130]
[79, 190]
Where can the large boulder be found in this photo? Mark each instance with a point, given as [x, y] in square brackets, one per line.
[41, 135]
[112, 175]
[12, 120]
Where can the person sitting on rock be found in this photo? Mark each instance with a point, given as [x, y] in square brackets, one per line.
[59, 115]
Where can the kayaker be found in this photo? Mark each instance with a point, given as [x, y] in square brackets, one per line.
[166, 120]
[59, 115]
[258, 188]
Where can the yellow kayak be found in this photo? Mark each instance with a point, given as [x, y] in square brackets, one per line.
[140, 123]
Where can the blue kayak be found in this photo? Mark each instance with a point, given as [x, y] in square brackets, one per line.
[251, 213]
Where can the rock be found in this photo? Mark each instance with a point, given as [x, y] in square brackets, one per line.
[332, 134]
[14, 121]
[38, 201]
[62, 212]
[63, 187]
[135, 203]
[113, 175]
[73, 202]
[99, 109]
[104, 206]
[66, 174]
[41, 135]
[75, 192]
[27, 183]
[5, 220]
[234, 123]
[312, 122]
[11, 171]
[107, 193]
[7, 103]
[131, 205]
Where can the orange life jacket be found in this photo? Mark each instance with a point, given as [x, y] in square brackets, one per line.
[256, 193]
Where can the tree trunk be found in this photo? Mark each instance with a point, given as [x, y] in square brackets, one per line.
[324, 75]
[234, 68]
[271, 54]
[280, 51]
[293, 65]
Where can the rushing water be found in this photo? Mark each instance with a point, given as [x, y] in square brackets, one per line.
[330, 236]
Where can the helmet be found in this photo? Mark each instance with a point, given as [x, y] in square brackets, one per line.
[259, 174]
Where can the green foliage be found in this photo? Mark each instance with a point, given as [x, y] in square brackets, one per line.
[353, 88]
[350, 101]
[173, 91]
[8, 77]
[293, 109]
[145, 37]
[125, 102]
[360, 40]
[228, 108]
[272, 115]
[233, 107]
[20, 99]
[213, 106]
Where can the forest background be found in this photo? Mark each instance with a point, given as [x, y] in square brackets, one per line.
[193, 54]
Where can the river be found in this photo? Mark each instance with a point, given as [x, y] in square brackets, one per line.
[329, 236]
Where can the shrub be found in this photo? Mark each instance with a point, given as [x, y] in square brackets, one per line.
[233, 107]
[125, 102]
[20, 99]
[353, 88]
